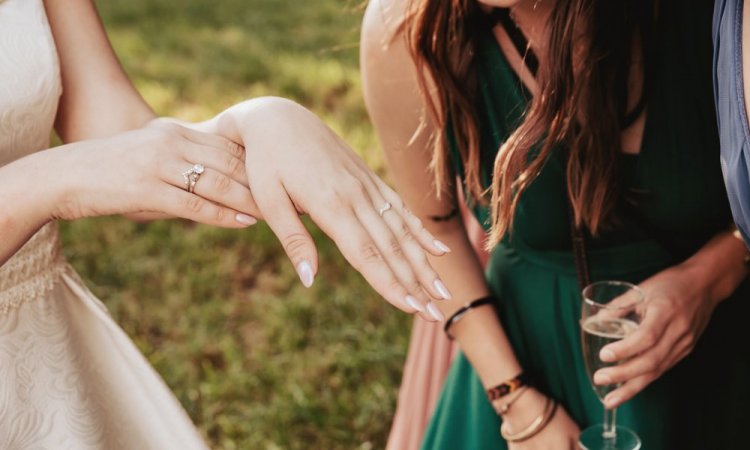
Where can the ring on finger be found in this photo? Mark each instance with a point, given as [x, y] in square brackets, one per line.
[192, 175]
[384, 208]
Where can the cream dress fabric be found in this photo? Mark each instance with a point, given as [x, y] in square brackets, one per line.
[69, 376]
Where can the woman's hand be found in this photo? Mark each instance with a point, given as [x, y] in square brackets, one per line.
[142, 171]
[295, 164]
[561, 433]
[674, 315]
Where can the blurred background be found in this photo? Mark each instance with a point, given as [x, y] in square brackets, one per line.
[257, 360]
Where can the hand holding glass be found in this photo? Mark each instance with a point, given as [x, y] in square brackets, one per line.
[610, 312]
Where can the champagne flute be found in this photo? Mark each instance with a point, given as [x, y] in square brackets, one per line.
[610, 312]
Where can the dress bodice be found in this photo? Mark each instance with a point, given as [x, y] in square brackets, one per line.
[29, 94]
[676, 179]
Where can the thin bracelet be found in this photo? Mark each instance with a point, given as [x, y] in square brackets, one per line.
[505, 407]
[463, 310]
[537, 425]
[508, 386]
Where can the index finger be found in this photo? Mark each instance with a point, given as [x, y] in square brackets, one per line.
[648, 334]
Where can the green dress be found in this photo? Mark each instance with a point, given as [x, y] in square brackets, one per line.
[704, 401]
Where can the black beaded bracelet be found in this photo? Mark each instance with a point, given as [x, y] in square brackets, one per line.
[463, 310]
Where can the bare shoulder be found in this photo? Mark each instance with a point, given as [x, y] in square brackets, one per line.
[383, 18]
[389, 76]
[383, 37]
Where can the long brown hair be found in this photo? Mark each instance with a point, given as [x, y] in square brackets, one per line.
[578, 108]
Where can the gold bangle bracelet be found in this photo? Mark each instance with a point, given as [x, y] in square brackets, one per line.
[534, 427]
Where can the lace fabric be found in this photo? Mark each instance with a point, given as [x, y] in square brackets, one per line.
[32, 272]
[70, 378]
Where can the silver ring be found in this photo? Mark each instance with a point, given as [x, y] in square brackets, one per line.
[384, 208]
[192, 176]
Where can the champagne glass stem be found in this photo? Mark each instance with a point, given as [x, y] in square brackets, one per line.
[610, 426]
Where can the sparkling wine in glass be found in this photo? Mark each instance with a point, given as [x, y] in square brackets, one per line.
[610, 312]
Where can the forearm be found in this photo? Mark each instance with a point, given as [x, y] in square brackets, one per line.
[478, 333]
[27, 201]
[719, 266]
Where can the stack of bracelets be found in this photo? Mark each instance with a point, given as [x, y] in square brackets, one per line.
[512, 389]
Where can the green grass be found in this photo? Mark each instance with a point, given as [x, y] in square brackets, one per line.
[258, 361]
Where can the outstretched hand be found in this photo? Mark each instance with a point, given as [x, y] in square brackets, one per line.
[295, 164]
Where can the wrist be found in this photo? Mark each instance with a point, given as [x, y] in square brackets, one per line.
[31, 189]
[718, 268]
[525, 408]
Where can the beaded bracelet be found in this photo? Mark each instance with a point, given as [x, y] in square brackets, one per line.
[506, 387]
[463, 310]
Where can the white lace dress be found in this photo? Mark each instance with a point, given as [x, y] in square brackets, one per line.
[69, 376]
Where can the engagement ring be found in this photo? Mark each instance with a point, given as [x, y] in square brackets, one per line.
[191, 177]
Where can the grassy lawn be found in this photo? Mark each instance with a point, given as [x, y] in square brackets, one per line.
[258, 361]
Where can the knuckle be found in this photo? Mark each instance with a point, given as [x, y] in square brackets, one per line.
[652, 365]
[222, 184]
[370, 253]
[394, 285]
[220, 214]
[235, 166]
[691, 337]
[294, 243]
[649, 338]
[194, 204]
[405, 232]
[394, 247]
[236, 149]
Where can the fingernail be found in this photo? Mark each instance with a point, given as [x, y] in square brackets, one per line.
[435, 312]
[607, 355]
[413, 303]
[304, 270]
[442, 290]
[244, 219]
[611, 402]
[602, 378]
[440, 246]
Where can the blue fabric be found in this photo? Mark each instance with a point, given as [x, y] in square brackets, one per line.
[730, 109]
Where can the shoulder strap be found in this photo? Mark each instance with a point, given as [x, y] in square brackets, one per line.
[502, 16]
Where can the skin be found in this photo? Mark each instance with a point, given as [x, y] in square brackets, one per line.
[680, 300]
[266, 158]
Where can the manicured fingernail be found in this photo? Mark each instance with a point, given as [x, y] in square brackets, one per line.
[442, 290]
[611, 402]
[435, 312]
[602, 378]
[607, 355]
[244, 219]
[304, 270]
[413, 303]
[440, 246]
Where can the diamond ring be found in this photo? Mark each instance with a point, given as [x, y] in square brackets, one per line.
[191, 176]
[384, 208]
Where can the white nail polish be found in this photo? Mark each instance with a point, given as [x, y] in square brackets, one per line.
[442, 290]
[244, 219]
[413, 303]
[435, 312]
[305, 272]
[440, 246]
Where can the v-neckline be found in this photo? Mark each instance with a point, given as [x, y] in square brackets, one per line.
[527, 95]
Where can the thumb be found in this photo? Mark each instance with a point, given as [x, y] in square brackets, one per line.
[281, 215]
